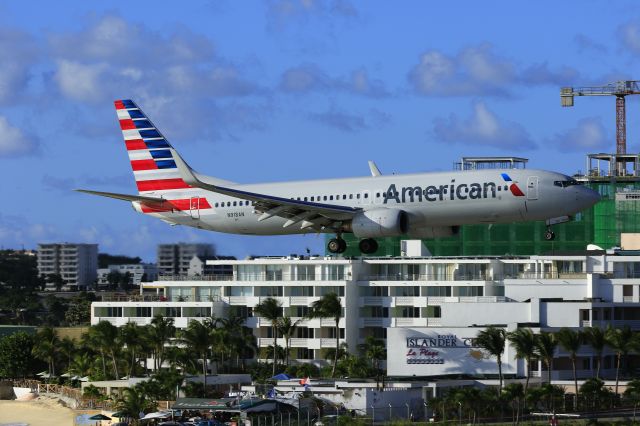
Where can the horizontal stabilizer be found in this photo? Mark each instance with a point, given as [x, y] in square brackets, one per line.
[125, 197]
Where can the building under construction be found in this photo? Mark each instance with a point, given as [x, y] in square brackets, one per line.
[615, 176]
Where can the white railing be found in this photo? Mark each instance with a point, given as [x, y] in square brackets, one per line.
[328, 342]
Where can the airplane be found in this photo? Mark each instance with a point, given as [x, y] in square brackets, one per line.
[424, 205]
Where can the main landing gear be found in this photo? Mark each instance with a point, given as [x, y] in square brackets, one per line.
[338, 245]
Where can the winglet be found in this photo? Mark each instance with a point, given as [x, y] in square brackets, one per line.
[375, 171]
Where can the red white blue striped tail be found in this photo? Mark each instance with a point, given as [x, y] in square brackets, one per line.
[153, 164]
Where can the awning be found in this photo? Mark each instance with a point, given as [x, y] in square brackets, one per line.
[203, 404]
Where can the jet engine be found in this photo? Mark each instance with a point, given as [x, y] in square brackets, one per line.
[379, 223]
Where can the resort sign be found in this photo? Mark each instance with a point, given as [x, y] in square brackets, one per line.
[437, 351]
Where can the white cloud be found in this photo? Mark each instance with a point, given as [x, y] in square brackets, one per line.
[18, 51]
[483, 127]
[629, 34]
[82, 82]
[589, 135]
[13, 142]
[478, 70]
[310, 77]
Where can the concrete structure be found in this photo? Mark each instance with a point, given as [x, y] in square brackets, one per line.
[411, 297]
[198, 266]
[174, 259]
[76, 263]
[138, 271]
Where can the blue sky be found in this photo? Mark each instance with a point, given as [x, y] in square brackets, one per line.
[290, 89]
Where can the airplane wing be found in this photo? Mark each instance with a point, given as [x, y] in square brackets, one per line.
[309, 214]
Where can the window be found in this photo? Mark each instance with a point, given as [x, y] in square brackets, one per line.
[216, 205]
[379, 312]
[173, 311]
[408, 312]
[301, 311]
[331, 197]
[377, 195]
[351, 196]
[333, 272]
[144, 311]
[366, 195]
[305, 199]
[358, 196]
[114, 311]
[433, 312]
[234, 203]
[303, 333]
[344, 196]
[500, 188]
[324, 198]
[312, 198]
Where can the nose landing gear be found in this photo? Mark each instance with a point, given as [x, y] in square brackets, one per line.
[549, 235]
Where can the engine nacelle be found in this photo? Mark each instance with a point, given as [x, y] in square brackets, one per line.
[379, 223]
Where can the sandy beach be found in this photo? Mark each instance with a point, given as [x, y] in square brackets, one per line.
[42, 411]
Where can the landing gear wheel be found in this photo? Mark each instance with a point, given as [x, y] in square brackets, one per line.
[368, 246]
[549, 235]
[337, 245]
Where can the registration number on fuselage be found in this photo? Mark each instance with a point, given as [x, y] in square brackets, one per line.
[235, 214]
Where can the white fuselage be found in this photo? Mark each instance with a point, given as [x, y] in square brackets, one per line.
[430, 199]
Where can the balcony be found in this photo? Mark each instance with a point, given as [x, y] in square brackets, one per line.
[409, 322]
[195, 277]
[427, 277]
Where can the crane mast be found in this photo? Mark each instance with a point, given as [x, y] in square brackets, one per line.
[620, 90]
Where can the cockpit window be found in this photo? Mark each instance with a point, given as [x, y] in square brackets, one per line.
[566, 183]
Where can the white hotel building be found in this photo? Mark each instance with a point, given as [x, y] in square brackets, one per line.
[404, 298]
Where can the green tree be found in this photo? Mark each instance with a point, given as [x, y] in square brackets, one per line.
[597, 339]
[595, 394]
[270, 309]
[524, 343]
[621, 341]
[492, 339]
[571, 341]
[329, 306]
[16, 358]
[546, 344]
[632, 393]
[57, 281]
[45, 348]
[133, 402]
[514, 393]
[104, 336]
[159, 333]
[374, 350]
[81, 364]
[131, 338]
[197, 337]
[286, 327]
[67, 348]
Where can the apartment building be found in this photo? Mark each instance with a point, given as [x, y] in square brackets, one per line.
[413, 303]
[174, 259]
[75, 263]
[138, 272]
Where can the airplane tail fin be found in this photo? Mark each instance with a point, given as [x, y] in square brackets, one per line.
[152, 161]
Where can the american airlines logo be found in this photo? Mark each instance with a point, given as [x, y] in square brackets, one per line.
[452, 191]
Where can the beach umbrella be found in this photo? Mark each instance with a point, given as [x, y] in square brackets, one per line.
[99, 416]
[157, 415]
[118, 414]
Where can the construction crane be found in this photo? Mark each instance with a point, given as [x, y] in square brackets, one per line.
[619, 89]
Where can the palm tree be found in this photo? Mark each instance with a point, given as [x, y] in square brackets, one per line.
[197, 337]
[621, 341]
[130, 335]
[286, 328]
[270, 309]
[632, 392]
[545, 348]
[492, 339]
[46, 342]
[596, 337]
[571, 341]
[524, 343]
[132, 403]
[160, 331]
[514, 392]
[67, 348]
[374, 350]
[329, 306]
[105, 336]
[81, 364]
